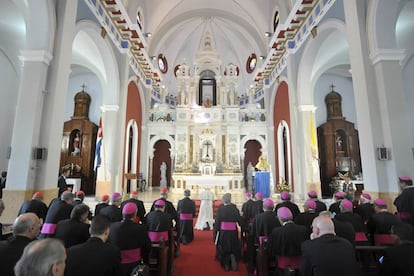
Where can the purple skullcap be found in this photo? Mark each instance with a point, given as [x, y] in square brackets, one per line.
[311, 204]
[380, 202]
[346, 204]
[248, 195]
[115, 196]
[312, 194]
[258, 195]
[285, 195]
[405, 178]
[160, 203]
[366, 196]
[339, 195]
[129, 209]
[269, 203]
[284, 213]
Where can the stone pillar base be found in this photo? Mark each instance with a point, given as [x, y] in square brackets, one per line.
[102, 188]
[13, 200]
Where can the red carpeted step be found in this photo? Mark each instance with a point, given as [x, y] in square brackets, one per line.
[198, 258]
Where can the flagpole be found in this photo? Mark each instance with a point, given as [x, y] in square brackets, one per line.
[103, 149]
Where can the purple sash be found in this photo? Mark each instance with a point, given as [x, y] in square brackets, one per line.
[130, 255]
[403, 215]
[156, 236]
[49, 228]
[284, 261]
[384, 239]
[360, 236]
[262, 239]
[227, 225]
[186, 216]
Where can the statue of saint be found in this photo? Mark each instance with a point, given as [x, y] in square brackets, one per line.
[163, 170]
[262, 164]
[249, 177]
[76, 144]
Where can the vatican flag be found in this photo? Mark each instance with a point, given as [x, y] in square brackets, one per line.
[314, 141]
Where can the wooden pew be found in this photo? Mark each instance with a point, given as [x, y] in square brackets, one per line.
[368, 256]
[158, 260]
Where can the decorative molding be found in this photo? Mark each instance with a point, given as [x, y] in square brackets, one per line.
[108, 107]
[387, 55]
[35, 56]
[307, 107]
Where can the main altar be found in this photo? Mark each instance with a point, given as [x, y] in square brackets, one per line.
[207, 125]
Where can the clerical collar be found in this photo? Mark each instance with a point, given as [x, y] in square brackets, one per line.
[286, 222]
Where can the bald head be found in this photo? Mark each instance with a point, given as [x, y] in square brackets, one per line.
[322, 225]
[27, 225]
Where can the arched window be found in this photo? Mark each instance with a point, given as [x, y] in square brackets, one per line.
[284, 150]
[139, 20]
[251, 63]
[276, 20]
[207, 89]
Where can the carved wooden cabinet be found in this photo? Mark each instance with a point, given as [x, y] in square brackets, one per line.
[338, 144]
[78, 144]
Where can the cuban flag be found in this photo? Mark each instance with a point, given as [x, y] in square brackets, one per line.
[98, 148]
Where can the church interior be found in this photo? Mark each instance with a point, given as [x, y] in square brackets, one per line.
[193, 94]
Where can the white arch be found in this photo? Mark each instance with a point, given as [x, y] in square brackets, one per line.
[40, 20]
[108, 75]
[382, 16]
[157, 138]
[281, 158]
[247, 138]
[134, 151]
[308, 73]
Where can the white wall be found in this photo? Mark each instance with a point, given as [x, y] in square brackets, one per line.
[9, 90]
[93, 88]
[344, 87]
[408, 79]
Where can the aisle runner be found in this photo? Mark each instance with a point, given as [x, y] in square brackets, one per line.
[197, 258]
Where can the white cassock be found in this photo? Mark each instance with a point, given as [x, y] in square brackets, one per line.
[206, 210]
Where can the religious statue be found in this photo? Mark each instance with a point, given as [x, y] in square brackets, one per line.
[76, 144]
[338, 143]
[249, 177]
[262, 164]
[207, 102]
[163, 170]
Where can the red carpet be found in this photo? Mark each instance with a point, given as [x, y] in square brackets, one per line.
[197, 258]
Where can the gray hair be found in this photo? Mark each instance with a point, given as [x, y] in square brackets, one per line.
[22, 224]
[66, 195]
[78, 211]
[39, 257]
[227, 198]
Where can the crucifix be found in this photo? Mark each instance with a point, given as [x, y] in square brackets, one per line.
[83, 87]
[208, 144]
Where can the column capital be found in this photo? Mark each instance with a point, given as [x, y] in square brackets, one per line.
[109, 107]
[307, 107]
[35, 56]
[387, 55]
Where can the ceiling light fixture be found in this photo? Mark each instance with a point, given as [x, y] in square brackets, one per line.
[262, 57]
[268, 34]
[147, 34]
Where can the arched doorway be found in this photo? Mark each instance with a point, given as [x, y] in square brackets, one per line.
[253, 150]
[162, 149]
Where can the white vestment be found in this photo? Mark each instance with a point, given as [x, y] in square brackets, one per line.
[206, 210]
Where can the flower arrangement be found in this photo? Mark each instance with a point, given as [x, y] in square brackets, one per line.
[282, 186]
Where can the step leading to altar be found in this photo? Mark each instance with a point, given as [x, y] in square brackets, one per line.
[219, 183]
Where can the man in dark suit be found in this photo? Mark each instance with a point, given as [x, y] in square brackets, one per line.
[131, 238]
[133, 197]
[397, 260]
[186, 209]
[285, 241]
[25, 229]
[285, 197]
[95, 257]
[58, 211]
[35, 205]
[327, 254]
[62, 180]
[113, 211]
[76, 229]
[405, 200]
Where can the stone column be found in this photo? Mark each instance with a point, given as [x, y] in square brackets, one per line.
[56, 95]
